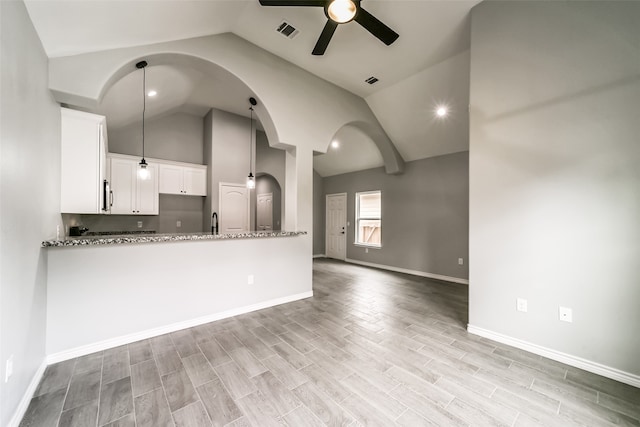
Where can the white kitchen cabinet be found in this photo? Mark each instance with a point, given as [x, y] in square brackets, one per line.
[83, 185]
[131, 195]
[190, 180]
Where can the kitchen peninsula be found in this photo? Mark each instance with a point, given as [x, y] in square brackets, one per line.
[117, 239]
[107, 291]
[160, 272]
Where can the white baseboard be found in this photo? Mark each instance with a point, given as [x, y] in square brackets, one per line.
[578, 362]
[149, 333]
[407, 271]
[27, 396]
[320, 256]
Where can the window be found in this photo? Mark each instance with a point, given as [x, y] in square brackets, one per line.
[368, 218]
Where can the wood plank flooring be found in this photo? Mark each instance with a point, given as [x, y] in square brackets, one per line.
[371, 348]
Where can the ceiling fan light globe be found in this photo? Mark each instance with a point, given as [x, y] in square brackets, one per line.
[341, 11]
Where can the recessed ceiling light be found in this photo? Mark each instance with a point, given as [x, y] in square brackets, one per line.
[441, 111]
[335, 144]
[152, 93]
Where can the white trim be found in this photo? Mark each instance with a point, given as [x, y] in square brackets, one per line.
[27, 396]
[578, 362]
[149, 333]
[319, 256]
[408, 271]
[358, 218]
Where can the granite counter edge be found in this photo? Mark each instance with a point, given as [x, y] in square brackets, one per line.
[120, 240]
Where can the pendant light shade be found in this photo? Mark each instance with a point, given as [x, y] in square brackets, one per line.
[143, 171]
[251, 180]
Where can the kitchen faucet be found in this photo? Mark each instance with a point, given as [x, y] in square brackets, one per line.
[214, 223]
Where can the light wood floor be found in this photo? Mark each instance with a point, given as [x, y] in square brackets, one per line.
[370, 348]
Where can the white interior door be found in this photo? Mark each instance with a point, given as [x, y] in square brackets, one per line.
[264, 216]
[336, 226]
[234, 208]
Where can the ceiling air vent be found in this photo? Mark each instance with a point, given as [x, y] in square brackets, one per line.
[371, 80]
[287, 30]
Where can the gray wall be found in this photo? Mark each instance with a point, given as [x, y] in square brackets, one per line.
[271, 161]
[177, 137]
[268, 184]
[554, 155]
[424, 214]
[318, 214]
[227, 146]
[29, 199]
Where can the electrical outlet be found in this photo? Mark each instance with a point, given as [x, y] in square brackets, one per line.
[366, 250]
[565, 314]
[521, 305]
[139, 224]
[58, 232]
[178, 223]
[8, 371]
[460, 261]
[250, 279]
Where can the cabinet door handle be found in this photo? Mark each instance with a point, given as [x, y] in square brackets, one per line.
[110, 198]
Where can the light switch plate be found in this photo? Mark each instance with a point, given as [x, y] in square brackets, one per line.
[8, 369]
[521, 305]
[565, 314]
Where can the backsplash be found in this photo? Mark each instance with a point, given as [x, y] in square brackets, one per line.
[173, 208]
[109, 223]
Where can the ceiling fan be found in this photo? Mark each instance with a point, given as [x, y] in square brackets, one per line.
[340, 12]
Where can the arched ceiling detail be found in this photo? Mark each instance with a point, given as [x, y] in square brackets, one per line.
[295, 107]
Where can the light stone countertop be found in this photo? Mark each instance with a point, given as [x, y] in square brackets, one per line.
[151, 238]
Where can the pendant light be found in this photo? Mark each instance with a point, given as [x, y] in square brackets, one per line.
[251, 180]
[143, 171]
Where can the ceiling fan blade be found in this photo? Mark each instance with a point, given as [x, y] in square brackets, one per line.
[319, 3]
[325, 37]
[376, 27]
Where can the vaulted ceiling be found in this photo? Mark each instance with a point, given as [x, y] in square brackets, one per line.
[428, 66]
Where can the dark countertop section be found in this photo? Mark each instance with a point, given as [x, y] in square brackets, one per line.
[114, 233]
[151, 238]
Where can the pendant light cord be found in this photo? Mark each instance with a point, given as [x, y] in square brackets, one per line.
[144, 103]
[251, 141]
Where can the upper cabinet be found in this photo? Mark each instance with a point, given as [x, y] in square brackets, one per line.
[131, 195]
[84, 188]
[184, 179]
